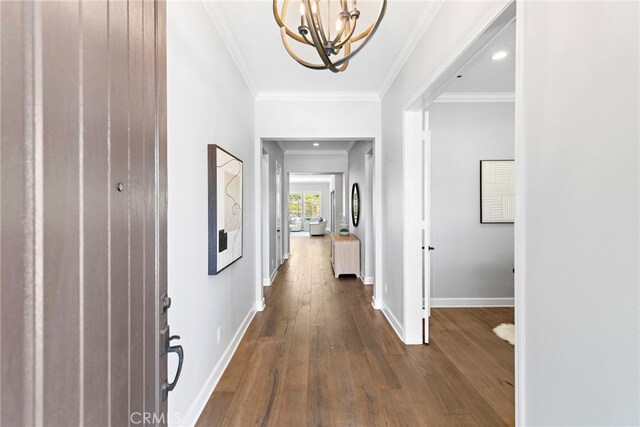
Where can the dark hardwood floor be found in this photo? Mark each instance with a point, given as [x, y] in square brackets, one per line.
[320, 355]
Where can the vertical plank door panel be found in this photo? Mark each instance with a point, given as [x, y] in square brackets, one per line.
[95, 84]
[137, 200]
[151, 382]
[161, 173]
[119, 159]
[61, 226]
[16, 161]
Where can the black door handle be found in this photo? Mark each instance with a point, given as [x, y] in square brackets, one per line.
[167, 387]
[431, 248]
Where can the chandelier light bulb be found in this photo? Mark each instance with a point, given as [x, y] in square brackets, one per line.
[338, 24]
[314, 7]
[301, 9]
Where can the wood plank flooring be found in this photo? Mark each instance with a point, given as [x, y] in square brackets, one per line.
[320, 355]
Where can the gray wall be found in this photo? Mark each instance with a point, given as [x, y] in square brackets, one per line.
[275, 154]
[471, 260]
[315, 187]
[357, 175]
[581, 136]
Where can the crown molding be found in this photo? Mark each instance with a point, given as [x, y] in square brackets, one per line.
[316, 96]
[477, 97]
[409, 46]
[282, 147]
[288, 152]
[225, 34]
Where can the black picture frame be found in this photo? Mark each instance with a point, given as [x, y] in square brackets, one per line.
[219, 240]
[355, 204]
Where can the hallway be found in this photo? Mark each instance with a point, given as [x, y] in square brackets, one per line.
[320, 355]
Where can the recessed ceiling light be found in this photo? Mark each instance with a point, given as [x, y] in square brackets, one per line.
[315, 144]
[501, 54]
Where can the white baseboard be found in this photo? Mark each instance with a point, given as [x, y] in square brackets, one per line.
[286, 256]
[376, 303]
[269, 281]
[471, 302]
[367, 280]
[194, 412]
[393, 321]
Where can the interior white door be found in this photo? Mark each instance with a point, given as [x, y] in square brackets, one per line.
[426, 225]
[278, 214]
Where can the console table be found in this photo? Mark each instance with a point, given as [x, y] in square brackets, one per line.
[345, 254]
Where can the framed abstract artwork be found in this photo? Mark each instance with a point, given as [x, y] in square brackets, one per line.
[496, 191]
[225, 208]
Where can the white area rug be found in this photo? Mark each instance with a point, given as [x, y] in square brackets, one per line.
[507, 332]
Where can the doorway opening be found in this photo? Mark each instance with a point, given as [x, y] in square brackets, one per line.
[459, 244]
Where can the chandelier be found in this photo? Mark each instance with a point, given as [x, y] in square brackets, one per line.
[333, 47]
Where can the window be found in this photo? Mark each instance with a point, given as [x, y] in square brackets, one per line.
[304, 205]
[311, 205]
[295, 205]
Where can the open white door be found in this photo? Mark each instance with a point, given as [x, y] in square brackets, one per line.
[278, 215]
[426, 224]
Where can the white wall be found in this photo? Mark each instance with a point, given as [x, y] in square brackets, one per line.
[580, 138]
[357, 174]
[208, 102]
[454, 21]
[275, 155]
[471, 260]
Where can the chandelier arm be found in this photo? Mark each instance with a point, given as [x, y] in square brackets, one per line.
[373, 27]
[282, 25]
[348, 38]
[317, 21]
[300, 61]
[373, 30]
[343, 5]
[317, 39]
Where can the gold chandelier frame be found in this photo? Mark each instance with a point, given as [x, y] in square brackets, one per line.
[311, 24]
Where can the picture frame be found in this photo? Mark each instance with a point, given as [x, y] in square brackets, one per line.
[497, 204]
[225, 205]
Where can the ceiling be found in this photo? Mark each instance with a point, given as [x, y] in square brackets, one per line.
[486, 75]
[324, 146]
[252, 35]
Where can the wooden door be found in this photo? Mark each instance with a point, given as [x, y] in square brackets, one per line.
[82, 212]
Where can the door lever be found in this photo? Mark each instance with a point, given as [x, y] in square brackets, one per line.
[167, 387]
[431, 248]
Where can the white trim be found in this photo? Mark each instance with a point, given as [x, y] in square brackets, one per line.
[519, 228]
[411, 227]
[266, 95]
[377, 304]
[225, 34]
[477, 97]
[312, 151]
[286, 256]
[471, 302]
[282, 146]
[393, 321]
[367, 280]
[409, 46]
[350, 146]
[199, 403]
[459, 56]
[268, 281]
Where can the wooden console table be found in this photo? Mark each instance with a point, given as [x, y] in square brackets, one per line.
[345, 254]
